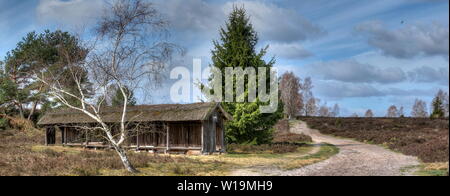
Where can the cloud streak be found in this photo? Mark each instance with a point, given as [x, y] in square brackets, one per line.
[408, 41]
[70, 13]
[353, 71]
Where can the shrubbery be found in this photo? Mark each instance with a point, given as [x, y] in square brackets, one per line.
[262, 149]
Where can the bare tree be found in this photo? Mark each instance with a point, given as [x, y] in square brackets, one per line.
[354, 115]
[392, 112]
[369, 114]
[129, 51]
[446, 105]
[290, 94]
[401, 112]
[419, 109]
[324, 111]
[310, 108]
[335, 111]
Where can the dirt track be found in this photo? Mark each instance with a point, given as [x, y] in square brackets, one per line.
[354, 158]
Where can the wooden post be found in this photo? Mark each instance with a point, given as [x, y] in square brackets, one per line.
[46, 136]
[167, 136]
[137, 139]
[65, 135]
[87, 139]
[223, 135]
[203, 148]
[62, 136]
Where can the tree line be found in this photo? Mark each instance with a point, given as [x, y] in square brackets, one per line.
[439, 108]
[298, 100]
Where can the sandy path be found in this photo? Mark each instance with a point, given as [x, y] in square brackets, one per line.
[354, 158]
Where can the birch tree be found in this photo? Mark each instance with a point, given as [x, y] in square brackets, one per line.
[324, 111]
[129, 51]
[290, 94]
[310, 108]
[335, 111]
[419, 109]
[392, 112]
[368, 114]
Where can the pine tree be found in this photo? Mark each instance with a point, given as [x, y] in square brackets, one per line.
[237, 48]
[118, 100]
[438, 105]
[43, 53]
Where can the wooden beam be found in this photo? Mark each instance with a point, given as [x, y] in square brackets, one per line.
[167, 136]
[137, 139]
[46, 136]
[87, 138]
[65, 135]
[202, 125]
[62, 135]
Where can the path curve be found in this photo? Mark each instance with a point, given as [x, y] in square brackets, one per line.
[354, 158]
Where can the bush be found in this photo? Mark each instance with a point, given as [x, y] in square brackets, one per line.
[4, 123]
[291, 138]
[262, 149]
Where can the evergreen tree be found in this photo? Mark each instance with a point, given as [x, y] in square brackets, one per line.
[438, 105]
[40, 54]
[118, 99]
[237, 48]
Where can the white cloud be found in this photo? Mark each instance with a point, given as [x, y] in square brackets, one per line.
[353, 71]
[272, 23]
[335, 89]
[408, 41]
[428, 74]
[278, 24]
[289, 51]
[71, 13]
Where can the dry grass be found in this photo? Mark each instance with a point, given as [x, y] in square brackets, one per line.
[291, 138]
[433, 169]
[22, 154]
[263, 149]
[301, 157]
[436, 166]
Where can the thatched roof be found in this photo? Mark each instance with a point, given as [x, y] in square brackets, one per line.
[141, 113]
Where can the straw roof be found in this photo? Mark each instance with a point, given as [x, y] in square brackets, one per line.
[141, 113]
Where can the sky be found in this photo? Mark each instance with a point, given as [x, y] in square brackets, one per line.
[361, 54]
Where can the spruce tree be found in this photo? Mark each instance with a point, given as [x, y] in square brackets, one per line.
[237, 48]
[438, 107]
[118, 99]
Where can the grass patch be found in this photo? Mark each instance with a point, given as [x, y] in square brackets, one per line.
[433, 169]
[285, 161]
[325, 152]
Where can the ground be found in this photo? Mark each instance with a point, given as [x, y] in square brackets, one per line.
[22, 153]
[354, 158]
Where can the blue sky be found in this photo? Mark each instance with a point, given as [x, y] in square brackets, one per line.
[360, 54]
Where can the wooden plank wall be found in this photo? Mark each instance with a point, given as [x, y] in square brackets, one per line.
[185, 134]
[209, 134]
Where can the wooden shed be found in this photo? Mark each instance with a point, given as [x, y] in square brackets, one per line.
[197, 127]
